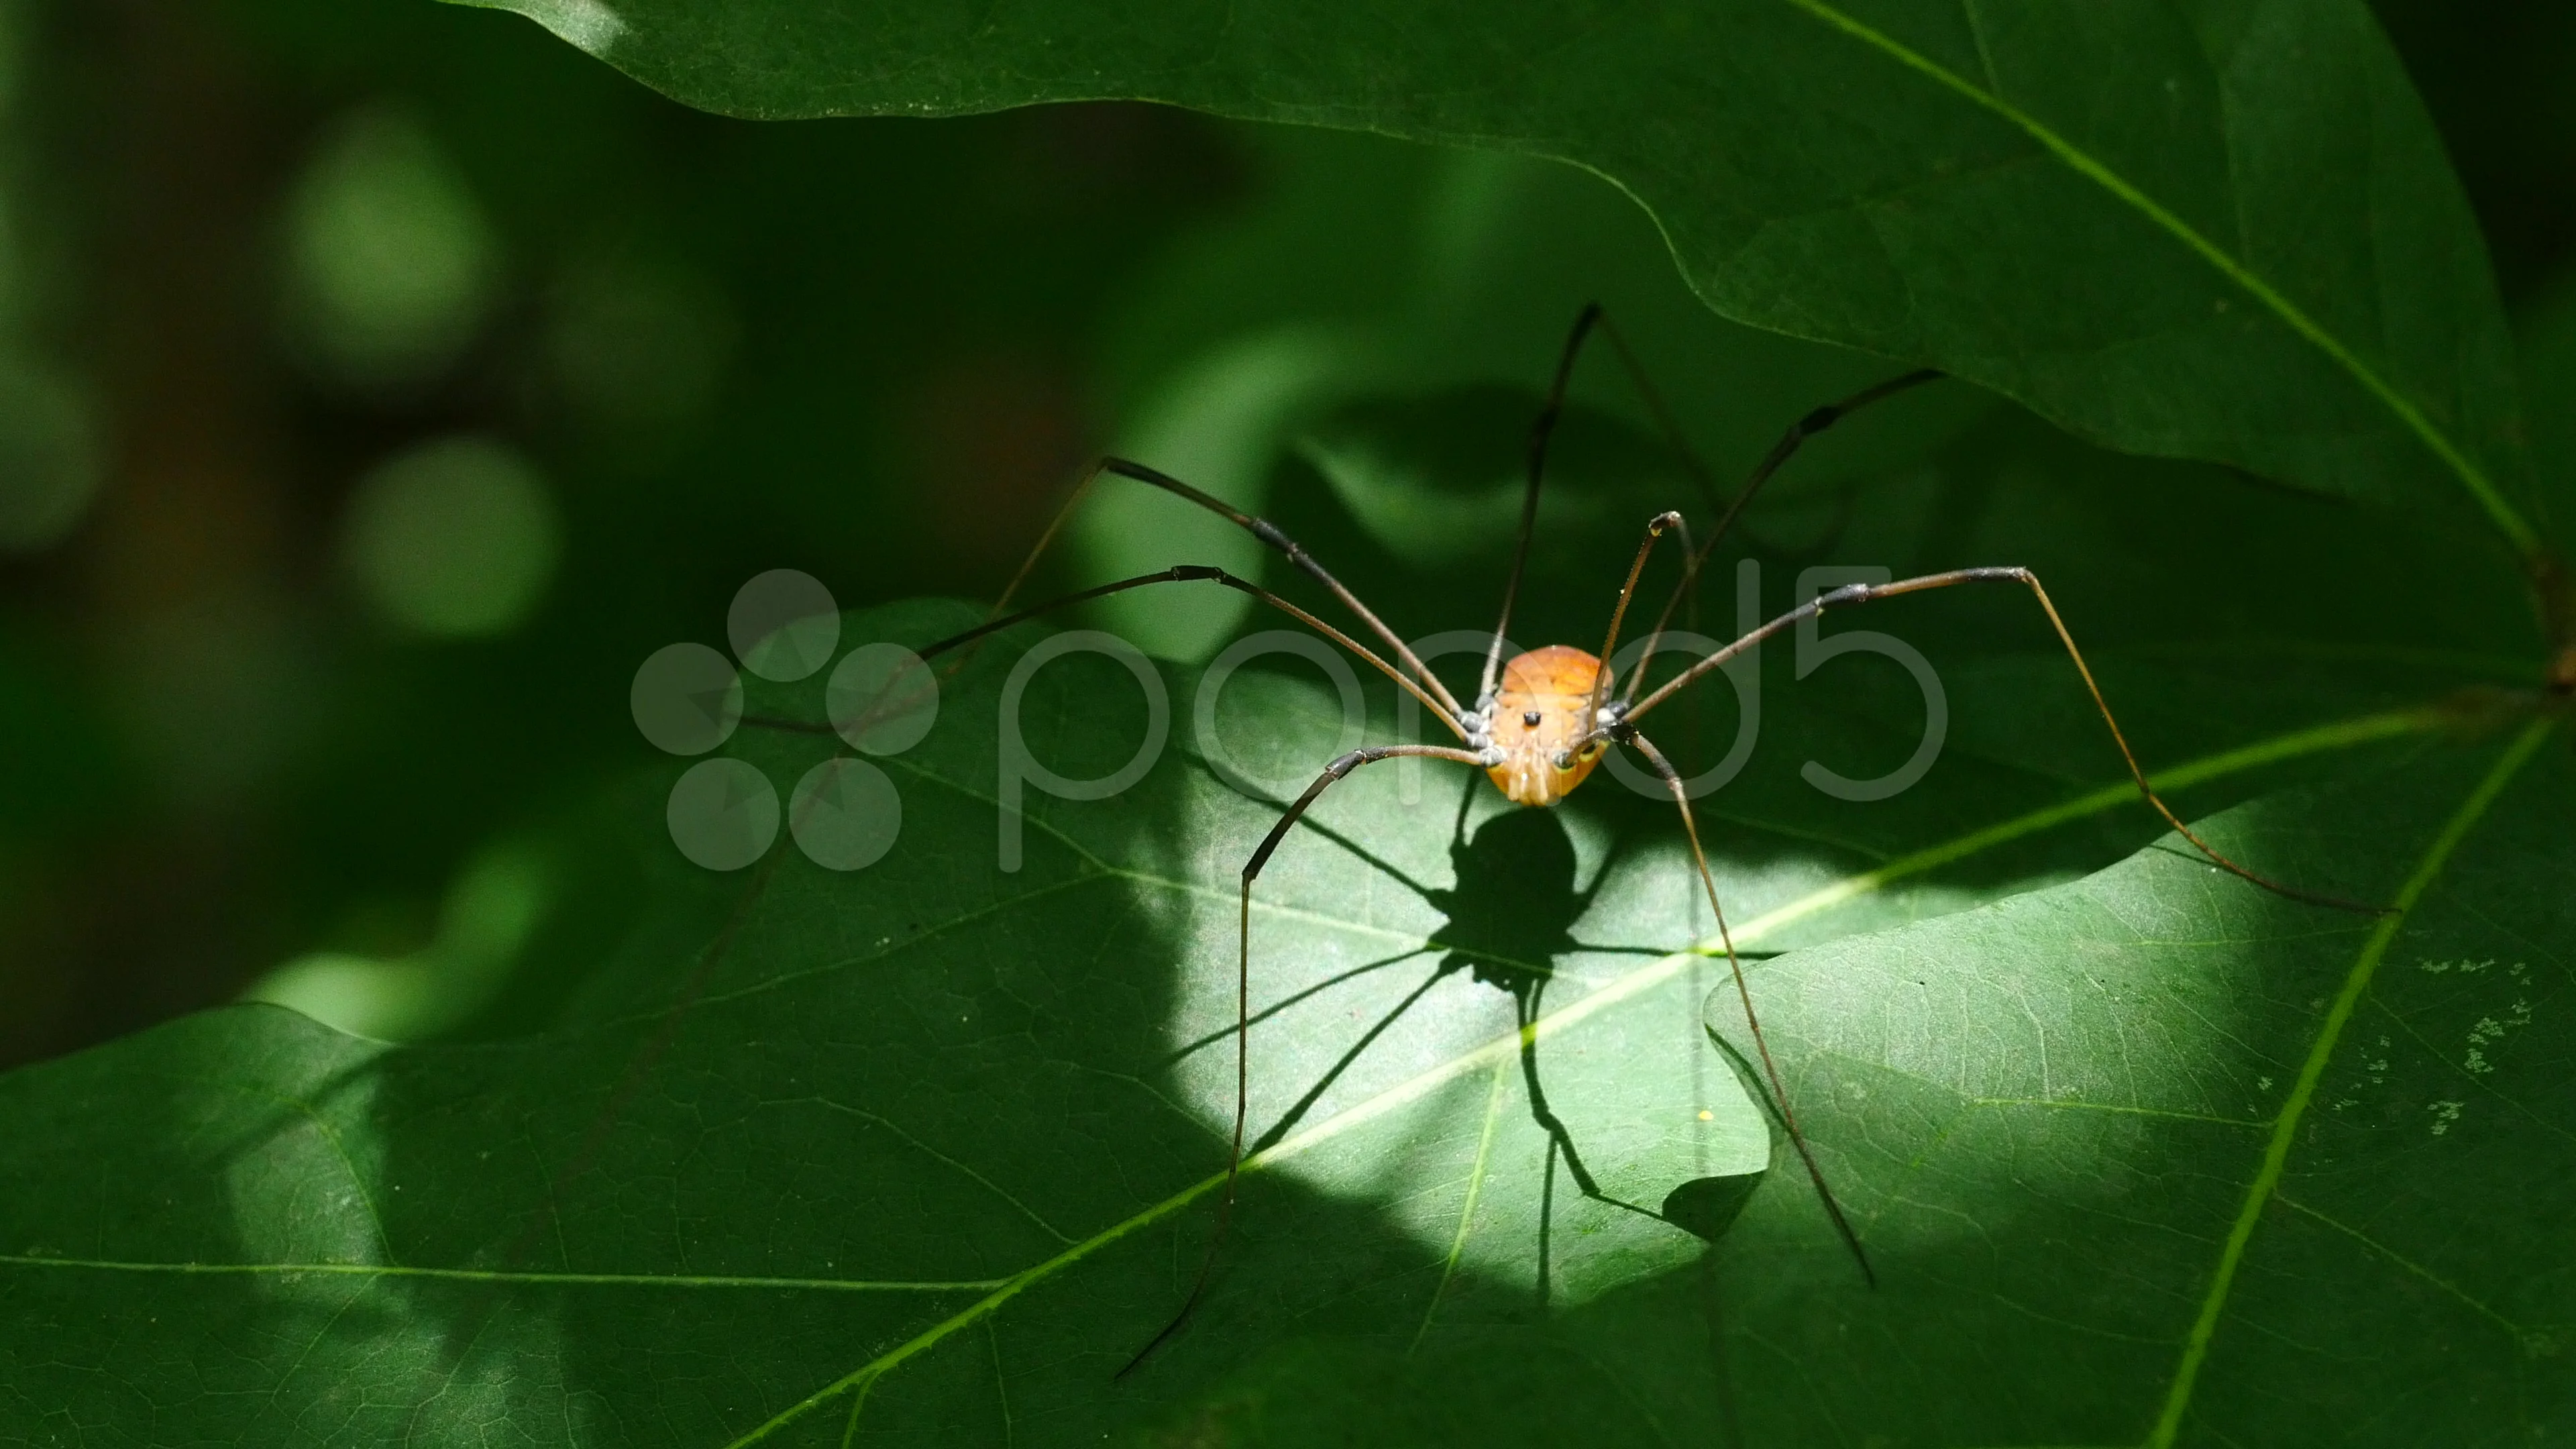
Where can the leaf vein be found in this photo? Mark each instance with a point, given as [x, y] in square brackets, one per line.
[927, 1150]
[2506, 519]
[2402, 1261]
[2276, 1153]
[2162, 1112]
[498, 1275]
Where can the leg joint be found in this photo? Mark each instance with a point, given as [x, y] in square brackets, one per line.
[1352, 761]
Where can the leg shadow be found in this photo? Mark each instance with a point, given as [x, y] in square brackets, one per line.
[1515, 903]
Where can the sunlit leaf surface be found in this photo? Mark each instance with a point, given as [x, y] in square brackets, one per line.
[931, 1150]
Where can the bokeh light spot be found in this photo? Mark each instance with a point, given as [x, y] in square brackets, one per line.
[455, 538]
[48, 457]
[391, 266]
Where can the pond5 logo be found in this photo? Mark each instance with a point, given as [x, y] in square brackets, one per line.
[881, 699]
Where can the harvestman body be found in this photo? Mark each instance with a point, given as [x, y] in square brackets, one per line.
[1543, 719]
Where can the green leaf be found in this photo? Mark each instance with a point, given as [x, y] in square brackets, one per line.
[2202, 230]
[925, 1152]
[2315, 1103]
[930, 1149]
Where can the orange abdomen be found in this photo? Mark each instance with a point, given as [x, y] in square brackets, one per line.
[1553, 686]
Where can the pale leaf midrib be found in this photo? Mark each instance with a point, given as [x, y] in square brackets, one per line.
[2340, 734]
[2276, 1152]
[2336, 735]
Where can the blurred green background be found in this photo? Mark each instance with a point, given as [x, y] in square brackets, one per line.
[379, 384]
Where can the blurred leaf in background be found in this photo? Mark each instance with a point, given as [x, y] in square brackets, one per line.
[455, 537]
[375, 384]
[390, 264]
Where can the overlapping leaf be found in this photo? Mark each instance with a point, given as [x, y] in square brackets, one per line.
[2215, 230]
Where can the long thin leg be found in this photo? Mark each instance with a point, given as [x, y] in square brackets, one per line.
[1674, 437]
[1260, 528]
[1619, 611]
[1541, 430]
[1781, 452]
[1679, 441]
[1201, 573]
[1544, 429]
[1807, 427]
[1176, 574]
[1243, 1000]
[1863, 593]
[1779, 1090]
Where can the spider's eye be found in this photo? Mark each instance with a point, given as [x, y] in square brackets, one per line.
[1531, 718]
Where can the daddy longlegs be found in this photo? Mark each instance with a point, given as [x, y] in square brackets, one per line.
[1543, 718]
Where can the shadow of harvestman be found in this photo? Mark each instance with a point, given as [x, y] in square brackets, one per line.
[1539, 723]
